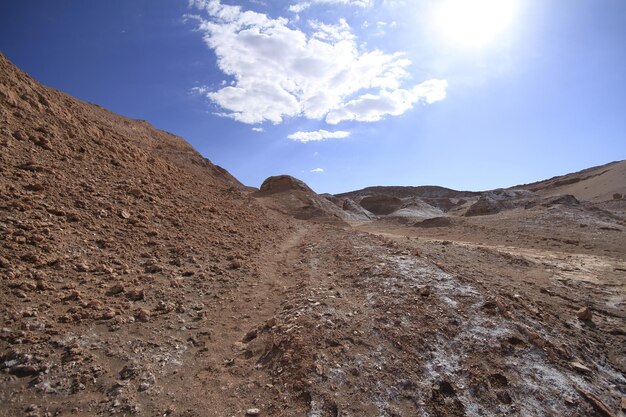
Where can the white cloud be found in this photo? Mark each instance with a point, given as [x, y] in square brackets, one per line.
[201, 91]
[258, 129]
[317, 170]
[317, 136]
[374, 107]
[332, 33]
[394, 3]
[299, 7]
[380, 27]
[282, 72]
[303, 5]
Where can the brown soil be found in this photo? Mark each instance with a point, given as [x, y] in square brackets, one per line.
[137, 278]
[596, 184]
[119, 246]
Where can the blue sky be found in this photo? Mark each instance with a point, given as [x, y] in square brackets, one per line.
[348, 93]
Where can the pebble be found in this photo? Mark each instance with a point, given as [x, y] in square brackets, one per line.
[116, 289]
[143, 315]
[19, 294]
[584, 314]
[20, 135]
[153, 268]
[136, 295]
[73, 296]
[166, 307]
[108, 314]
[580, 367]
[4, 262]
[81, 267]
[251, 412]
[44, 286]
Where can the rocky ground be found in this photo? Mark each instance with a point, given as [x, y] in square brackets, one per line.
[401, 327]
[137, 278]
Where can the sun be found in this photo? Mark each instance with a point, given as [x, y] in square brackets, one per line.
[474, 23]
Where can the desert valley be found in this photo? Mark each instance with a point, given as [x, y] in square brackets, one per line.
[138, 278]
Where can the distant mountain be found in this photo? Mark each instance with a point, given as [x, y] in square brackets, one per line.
[422, 201]
[424, 191]
[595, 184]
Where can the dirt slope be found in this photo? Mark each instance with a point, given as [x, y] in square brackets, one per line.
[593, 184]
[117, 241]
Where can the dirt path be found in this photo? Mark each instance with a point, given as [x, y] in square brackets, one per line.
[372, 326]
[419, 341]
[334, 322]
[223, 380]
[187, 356]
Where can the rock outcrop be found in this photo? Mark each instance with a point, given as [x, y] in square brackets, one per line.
[291, 196]
[281, 184]
[493, 202]
[381, 204]
[357, 210]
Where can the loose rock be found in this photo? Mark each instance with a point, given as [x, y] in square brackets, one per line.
[136, 295]
[580, 367]
[142, 315]
[115, 289]
[584, 314]
[4, 262]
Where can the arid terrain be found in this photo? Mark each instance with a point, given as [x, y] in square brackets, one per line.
[138, 278]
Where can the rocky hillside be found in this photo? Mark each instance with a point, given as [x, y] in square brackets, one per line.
[106, 222]
[422, 201]
[425, 191]
[604, 184]
[601, 183]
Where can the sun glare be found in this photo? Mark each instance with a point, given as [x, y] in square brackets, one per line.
[474, 23]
